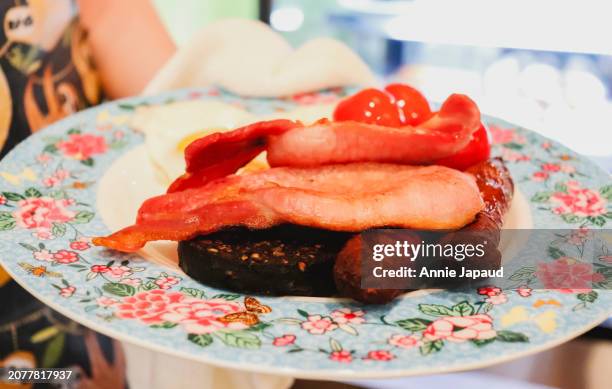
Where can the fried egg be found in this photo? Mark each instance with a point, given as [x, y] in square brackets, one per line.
[170, 128]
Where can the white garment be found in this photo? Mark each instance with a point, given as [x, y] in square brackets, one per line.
[148, 369]
[250, 59]
[247, 58]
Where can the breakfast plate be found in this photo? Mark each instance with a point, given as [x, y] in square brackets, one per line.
[85, 176]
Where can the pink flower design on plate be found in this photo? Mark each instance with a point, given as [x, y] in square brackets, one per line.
[43, 255]
[524, 291]
[567, 275]
[65, 256]
[50, 181]
[82, 146]
[119, 271]
[167, 282]
[56, 178]
[105, 302]
[461, 328]
[2, 200]
[67, 291]
[79, 245]
[514, 156]
[578, 201]
[284, 340]
[99, 269]
[567, 168]
[131, 281]
[317, 325]
[346, 316]
[196, 95]
[489, 291]
[148, 307]
[43, 234]
[341, 356]
[201, 316]
[403, 341]
[194, 315]
[42, 212]
[505, 135]
[578, 237]
[43, 158]
[62, 174]
[551, 167]
[539, 176]
[379, 355]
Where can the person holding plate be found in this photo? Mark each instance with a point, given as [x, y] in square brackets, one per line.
[58, 57]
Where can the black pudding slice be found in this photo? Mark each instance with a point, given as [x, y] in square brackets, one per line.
[282, 260]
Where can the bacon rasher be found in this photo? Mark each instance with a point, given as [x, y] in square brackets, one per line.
[290, 143]
[350, 197]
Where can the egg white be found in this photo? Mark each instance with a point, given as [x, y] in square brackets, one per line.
[170, 127]
[167, 127]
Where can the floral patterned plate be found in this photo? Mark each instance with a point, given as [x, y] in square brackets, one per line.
[48, 210]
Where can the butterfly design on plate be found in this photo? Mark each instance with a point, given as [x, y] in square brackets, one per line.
[39, 271]
[250, 316]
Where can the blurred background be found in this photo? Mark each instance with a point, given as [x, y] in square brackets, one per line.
[545, 65]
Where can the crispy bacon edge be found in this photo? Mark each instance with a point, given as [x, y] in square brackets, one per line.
[221, 154]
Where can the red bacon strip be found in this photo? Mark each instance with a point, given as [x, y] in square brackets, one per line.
[292, 144]
[350, 197]
[223, 153]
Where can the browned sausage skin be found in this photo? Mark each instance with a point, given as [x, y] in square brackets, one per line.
[347, 275]
[496, 187]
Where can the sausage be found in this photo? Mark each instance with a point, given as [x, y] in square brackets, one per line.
[347, 275]
[496, 187]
